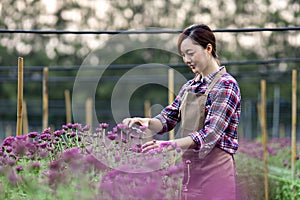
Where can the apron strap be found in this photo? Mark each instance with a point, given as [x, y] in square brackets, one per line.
[215, 80]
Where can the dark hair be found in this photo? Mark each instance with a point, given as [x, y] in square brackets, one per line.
[201, 35]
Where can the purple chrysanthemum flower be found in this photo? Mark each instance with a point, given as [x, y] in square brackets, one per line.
[71, 154]
[19, 168]
[13, 178]
[86, 128]
[8, 141]
[178, 150]
[32, 134]
[11, 161]
[188, 162]
[43, 154]
[98, 129]
[19, 147]
[112, 136]
[65, 127]
[72, 134]
[55, 165]
[43, 145]
[8, 149]
[70, 125]
[115, 129]
[46, 131]
[34, 166]
[104, 125]
[45, 137]
[143, 128]
[124, 140]
[21, 137]
[122, 126]
[55, 178]
[77, 126]
[58, 133]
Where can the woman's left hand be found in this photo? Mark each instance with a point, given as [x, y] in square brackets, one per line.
[151, 145]
[158, 145]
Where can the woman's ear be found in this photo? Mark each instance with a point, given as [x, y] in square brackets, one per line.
[209, 48]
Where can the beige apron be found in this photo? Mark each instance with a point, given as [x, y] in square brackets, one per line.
[212, 175]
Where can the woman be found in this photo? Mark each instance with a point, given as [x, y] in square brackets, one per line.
[208, 107]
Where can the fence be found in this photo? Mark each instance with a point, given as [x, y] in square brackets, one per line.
[278, 122]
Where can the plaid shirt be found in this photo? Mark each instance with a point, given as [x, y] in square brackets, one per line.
[222, 113]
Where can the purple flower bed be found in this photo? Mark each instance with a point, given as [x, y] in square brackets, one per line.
[279, 152]
[77, 163]
[250, 170]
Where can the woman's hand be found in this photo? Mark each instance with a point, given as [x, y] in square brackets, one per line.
[151, 145]
[138, 121]
[158, 145]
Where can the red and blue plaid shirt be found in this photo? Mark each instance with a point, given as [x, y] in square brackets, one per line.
[222, 113]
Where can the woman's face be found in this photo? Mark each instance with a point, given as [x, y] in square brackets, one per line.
[195, 56]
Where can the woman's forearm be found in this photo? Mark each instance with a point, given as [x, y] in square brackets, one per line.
[155, 125]
[185, 143]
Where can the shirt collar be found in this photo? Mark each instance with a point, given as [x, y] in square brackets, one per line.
[210, 77]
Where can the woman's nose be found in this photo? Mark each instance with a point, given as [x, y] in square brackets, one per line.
[186, 59]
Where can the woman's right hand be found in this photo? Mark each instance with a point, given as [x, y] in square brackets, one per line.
[138, 121]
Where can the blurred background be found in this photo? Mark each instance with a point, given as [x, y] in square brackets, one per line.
[249, 56]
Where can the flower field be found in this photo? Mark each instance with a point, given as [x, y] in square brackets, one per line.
[250, 169]
[77, 163]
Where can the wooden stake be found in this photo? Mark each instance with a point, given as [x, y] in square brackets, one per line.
[45, 98]
[88, 112]
[25, 119]
[171, 94]
[68, 106]
[20, 97]
[265, 136]
[282, 131]
[147, 111]
[294, 123]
